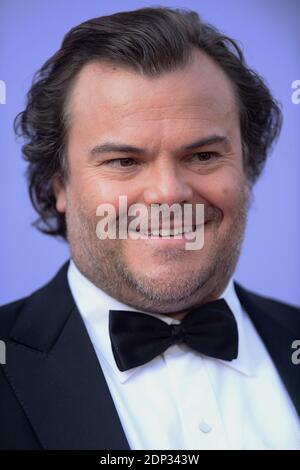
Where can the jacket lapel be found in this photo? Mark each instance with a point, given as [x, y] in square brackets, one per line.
[278, 324]
[55, 373]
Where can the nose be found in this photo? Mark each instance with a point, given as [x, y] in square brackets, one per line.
[166, 184]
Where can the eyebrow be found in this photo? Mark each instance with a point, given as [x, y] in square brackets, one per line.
[109, 147]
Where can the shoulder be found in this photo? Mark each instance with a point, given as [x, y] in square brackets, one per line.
[8, 315]
[266, 299]
[284, 313]
[271, 300]
[46, 297]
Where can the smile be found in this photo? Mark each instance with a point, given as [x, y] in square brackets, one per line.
[167, 233]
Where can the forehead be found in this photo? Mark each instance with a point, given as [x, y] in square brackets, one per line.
[114, 97]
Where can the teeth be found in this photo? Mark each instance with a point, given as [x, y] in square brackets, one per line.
[155, 233]
[169, 232]
[164, 232]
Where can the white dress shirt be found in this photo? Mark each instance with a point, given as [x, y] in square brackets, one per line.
[183, 400]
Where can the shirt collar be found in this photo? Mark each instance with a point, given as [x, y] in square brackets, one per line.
[94, 305]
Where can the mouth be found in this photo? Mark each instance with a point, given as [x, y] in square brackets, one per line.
[169, 233]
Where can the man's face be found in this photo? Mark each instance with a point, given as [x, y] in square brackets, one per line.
[162, 116]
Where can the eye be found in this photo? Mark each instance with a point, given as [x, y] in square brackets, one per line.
[121, 162]
[204, 156]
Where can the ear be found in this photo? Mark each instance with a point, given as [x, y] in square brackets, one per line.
[60, 193]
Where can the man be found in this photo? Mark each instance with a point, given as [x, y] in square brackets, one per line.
[141, 343]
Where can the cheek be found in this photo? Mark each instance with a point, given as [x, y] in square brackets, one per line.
[224, 191]
[221, 191]
[87, 190]
[228, 196]
[95, 199]
[91, 190]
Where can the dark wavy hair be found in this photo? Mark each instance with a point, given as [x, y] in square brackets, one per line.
[150, 41]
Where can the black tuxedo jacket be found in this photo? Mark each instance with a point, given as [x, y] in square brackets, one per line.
[53, 394]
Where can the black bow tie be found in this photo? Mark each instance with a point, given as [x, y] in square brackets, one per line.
[136, 337]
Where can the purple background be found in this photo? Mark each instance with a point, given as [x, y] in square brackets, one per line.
[31, 30]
